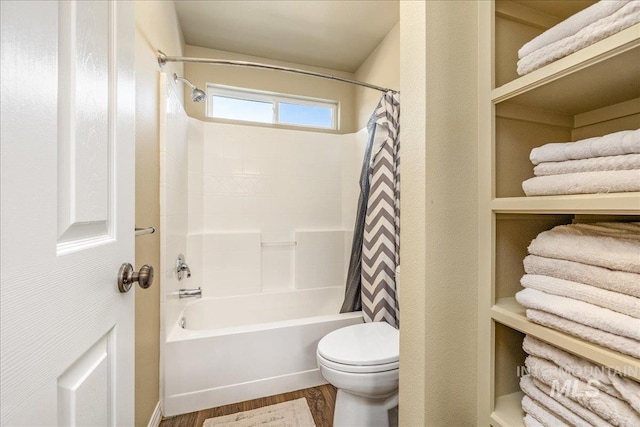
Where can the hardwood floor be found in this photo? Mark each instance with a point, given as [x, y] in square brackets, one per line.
[321, 401]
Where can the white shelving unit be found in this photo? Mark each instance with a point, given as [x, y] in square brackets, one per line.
[592, 92]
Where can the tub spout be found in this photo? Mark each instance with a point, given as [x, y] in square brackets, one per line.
[190, 293]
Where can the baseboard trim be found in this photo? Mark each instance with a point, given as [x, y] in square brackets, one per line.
[156, 417]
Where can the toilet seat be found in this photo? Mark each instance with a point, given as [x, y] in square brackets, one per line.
[363, 348]
[356, 369]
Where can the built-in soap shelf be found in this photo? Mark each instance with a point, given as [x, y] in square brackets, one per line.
[267, 244]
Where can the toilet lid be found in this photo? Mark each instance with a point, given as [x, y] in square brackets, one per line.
[364, 344]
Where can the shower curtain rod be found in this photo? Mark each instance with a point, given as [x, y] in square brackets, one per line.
[163, 59]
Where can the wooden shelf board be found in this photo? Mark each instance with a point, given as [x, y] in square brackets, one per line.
[508, 312]
[615, 203]
[567, 85]
[508, 411]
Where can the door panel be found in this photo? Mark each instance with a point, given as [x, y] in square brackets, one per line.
[67, 197]
[85, 389]
[84, 136]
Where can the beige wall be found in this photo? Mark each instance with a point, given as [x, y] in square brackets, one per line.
[412, 214]
[381, 68]
[438, 299]
[266, 80]
[156, 28]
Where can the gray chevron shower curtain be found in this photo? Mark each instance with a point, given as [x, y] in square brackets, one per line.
[375, 254]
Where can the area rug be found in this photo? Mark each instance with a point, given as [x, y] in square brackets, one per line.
[294, 413]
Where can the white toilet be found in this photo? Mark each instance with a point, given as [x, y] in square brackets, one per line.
[361, 361]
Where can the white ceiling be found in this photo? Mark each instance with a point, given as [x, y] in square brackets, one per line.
[336, 34]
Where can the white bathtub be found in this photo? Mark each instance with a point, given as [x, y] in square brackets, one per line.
[245, 347]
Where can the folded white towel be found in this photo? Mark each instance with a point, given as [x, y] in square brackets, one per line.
[631, 230]
[628, 389]
[613, 144]
[615, 301]
[607, 407]
[612, 280]
[529, 421]
[572, 25]
[622, 344]
[581, 312]
[593, 164]
[619, 20]
[546, 401]
[578, 367]
[601, 182]
[542, 414]
[574, 407]
[593, 244]
[605, 379]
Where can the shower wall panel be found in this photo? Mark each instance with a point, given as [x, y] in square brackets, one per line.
[320, 258]
[173, 196]
[275, 182]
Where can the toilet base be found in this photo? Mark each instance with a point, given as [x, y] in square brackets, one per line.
[356, 411]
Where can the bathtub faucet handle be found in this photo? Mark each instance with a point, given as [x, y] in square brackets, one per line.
[181, 267]
[190, 293]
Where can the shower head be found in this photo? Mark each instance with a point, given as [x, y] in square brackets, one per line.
[197, 95]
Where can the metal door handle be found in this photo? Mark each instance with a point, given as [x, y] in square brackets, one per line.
[127, 277]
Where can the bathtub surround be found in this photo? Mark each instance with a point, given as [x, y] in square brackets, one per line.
[173, 198]
[319, 258]
[173, 131]
[229, 258]
[293, 191]
[245, 262]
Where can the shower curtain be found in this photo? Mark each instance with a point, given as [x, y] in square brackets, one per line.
[375, 251]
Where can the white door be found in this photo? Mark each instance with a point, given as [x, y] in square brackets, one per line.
[67, 191]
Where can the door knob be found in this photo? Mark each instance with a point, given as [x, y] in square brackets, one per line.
[127, 277]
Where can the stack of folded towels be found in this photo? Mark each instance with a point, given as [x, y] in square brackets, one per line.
[584, 279]
[595, 23]
[562, 390]
[604, 164]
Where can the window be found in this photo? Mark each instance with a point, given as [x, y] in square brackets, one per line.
[229, 103]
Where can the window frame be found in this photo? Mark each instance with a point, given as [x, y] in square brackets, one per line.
[275, 99]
